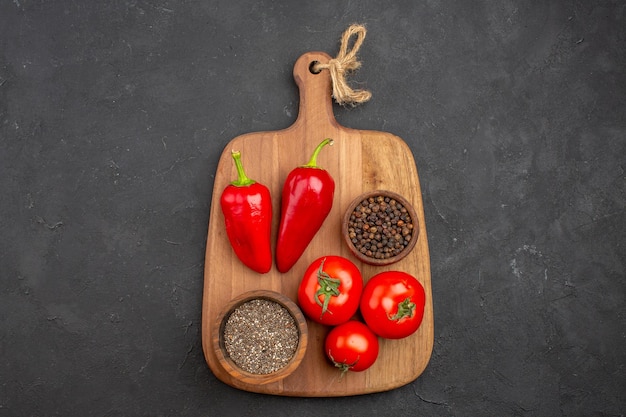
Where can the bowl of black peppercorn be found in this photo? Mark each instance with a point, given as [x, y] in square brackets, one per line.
[380, 227]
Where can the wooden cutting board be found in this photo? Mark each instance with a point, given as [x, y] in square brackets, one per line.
[359, 161]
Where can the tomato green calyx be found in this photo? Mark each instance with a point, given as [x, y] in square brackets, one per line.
[242, 179]
[343, 367]
[329, 287]
[405, 309]
[313, 161]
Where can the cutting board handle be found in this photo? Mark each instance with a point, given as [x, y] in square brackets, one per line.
[316, 105]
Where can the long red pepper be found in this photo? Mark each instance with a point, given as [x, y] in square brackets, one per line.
[307, 198]
[247, 208]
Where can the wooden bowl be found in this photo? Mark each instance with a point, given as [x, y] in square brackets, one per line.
[392, 255]
[220, 344]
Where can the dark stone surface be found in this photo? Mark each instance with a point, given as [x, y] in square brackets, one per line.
[112, 118]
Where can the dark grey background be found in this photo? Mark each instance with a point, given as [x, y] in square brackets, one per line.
[112, 118]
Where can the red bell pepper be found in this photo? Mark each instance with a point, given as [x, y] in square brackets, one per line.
[247, 208]
[307, 198]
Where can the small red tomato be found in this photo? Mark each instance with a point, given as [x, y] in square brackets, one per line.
[392, 304]
[330, 290]
[351, 346]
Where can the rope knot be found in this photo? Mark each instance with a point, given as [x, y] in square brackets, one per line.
[344, 63]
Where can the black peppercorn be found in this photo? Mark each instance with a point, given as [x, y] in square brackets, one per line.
[380, 227]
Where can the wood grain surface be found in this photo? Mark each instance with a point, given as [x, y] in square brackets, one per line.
[359, 161]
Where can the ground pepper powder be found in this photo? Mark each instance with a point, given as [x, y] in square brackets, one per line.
[260, 336]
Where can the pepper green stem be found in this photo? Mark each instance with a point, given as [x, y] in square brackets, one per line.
[405, 309]
[313, 161]
[242, 179]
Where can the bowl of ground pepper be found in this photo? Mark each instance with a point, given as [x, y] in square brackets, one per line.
[260, 337]
[380, 227]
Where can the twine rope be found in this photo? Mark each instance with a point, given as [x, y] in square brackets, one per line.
[344, 63]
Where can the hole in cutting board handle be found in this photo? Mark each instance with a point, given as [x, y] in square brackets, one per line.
[312, 67]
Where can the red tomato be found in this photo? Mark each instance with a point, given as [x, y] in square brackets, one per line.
[392, 304]
[330, 290]
[351, 346]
